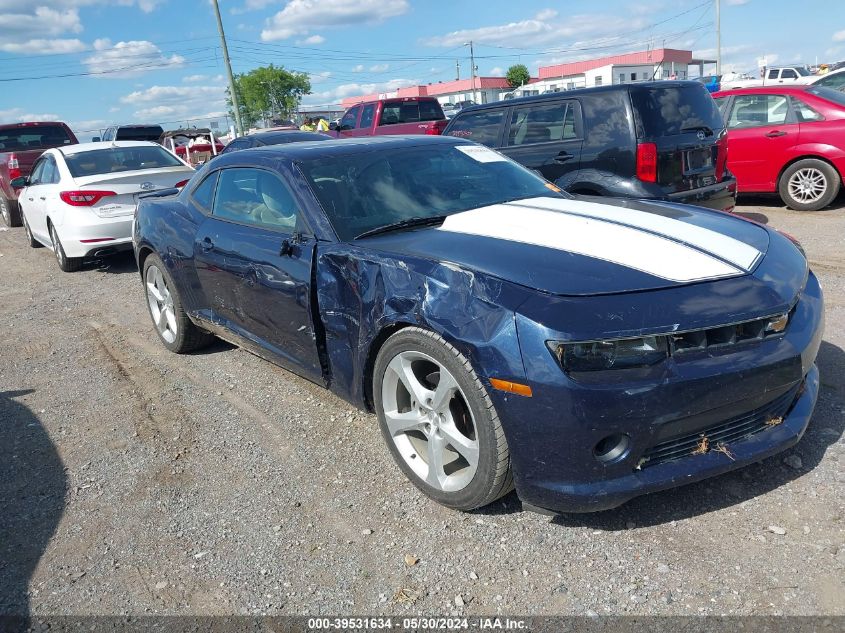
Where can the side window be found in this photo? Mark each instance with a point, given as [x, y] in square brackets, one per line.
[757, 110]
[349, 119]
[51, 172]
[367, 115]
[722, 103]
[543, 123]
[255, 196]
[788, 74]
[203, 194]
[35, 178]
[773, 73]
[804, 112]
[482, 127]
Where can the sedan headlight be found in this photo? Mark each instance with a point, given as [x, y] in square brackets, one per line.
[615, 354]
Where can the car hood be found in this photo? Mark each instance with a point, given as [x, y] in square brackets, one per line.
[578, 247]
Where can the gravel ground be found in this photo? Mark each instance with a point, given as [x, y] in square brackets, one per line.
[135, 481]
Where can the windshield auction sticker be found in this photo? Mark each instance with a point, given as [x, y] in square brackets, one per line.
[481, 154]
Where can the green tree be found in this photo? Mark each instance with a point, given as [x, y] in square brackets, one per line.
[268, 90]
[517, 75]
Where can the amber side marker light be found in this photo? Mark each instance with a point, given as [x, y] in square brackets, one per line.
[511, 387]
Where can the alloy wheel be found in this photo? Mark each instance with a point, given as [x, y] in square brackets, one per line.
[161, 304]
[807, 185]
[429, 421]
[58, 251]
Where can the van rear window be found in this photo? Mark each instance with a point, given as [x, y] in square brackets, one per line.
[149, 133]
[674, 110]
[410, 112]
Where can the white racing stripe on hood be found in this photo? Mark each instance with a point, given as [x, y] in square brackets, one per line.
[722, 246]
[623, 245]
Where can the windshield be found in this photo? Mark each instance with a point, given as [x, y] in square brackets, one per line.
[115, 159]
[672, 110]
[33, 137]
[803, 72]
[366, 190]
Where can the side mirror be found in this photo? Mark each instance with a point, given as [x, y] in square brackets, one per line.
[20, 182]
[96, 139]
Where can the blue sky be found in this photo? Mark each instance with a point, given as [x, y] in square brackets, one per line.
[132, 61]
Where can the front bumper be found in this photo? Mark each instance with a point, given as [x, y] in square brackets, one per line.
[552, 435]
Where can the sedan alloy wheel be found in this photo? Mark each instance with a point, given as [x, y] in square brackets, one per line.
[161, 304]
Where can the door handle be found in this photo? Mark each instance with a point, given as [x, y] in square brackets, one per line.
[207, 244]
[31, 199]
[42, 198]
[775, 134]
[563, 157]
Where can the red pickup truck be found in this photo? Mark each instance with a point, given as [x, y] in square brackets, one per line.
[20, 145]
[409, 115]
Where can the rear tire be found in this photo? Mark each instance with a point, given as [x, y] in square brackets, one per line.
[10, 212]
[67, 264]
[439, 422]
[174, 328]
[809, 185]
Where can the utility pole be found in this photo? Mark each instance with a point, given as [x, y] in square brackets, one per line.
[718, 39]
[472, 68]
[226, 59]
[458, 69]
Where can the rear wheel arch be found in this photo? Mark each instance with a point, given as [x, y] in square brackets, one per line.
[794, 160]
[143, 253]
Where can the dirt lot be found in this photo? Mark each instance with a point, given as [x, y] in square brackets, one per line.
[136, 481]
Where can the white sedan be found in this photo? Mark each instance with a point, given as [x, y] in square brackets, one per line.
[79, 200]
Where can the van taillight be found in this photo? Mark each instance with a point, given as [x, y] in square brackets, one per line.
[14, 167]
[647, 162]
[436, 128]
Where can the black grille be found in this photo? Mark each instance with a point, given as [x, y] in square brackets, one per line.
[735, 429]
[720, 336]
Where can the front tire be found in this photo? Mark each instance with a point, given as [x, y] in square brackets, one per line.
[10, 212]
[176, 331]
[33, 243]
[67, 264]
[439, 422]
[809, 185]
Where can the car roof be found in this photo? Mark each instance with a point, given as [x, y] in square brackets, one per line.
[25, 124]
[276, 135]
[393, 99]
[780, 88]
[68, 150]
[640, 85]
[338, 147]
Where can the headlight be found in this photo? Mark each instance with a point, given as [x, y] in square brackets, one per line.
[617, 354]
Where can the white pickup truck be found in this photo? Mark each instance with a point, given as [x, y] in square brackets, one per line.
[774, 76]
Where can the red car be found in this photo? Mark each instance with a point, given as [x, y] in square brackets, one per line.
[20, 145]
[408, 115]
[786, 140]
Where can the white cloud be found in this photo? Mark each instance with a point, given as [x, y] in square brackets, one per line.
[540, 32]
[19, 114]
[335, 95]
[313, 40]
[546, 14]
[34, 27]
[319, 78]
[176, 102]
[498, 71]
[299, 17]
[21, 23]
[839, 36]
[737, 3]
[379, 68]
[128, 59]
[358, 69]
[43, 47]
[192, 79]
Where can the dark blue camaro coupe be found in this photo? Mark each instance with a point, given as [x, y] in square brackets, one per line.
[505, 333]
